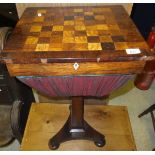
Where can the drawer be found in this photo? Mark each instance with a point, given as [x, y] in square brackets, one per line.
[5, 95]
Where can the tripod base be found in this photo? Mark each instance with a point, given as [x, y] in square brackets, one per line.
[76, 128]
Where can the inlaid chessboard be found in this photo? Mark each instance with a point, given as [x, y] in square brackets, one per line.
[93, 28]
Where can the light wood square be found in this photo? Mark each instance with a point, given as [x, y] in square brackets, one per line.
[68, 40]
[78, 10]
[69, 22]
[80, 28]
[99, 17]
[35, 29]
[31, 40]
[81, 46]
[39, 19]
[81, 39]
[120, 45]
[94, 46]
[79, 18]
[79, 23]
[92, 27]
[55, 47]
[92, 33]
[88, 13]
[57, 28]
[45, 34]
[102, 27]
[113, 27]
[42, 47]
[68, 33]
[106, 38]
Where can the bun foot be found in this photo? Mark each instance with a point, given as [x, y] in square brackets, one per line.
[100, 143]
[53, 145]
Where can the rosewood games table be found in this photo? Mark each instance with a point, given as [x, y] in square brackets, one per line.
[78, 51]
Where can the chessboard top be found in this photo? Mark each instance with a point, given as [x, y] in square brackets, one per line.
[75, 29]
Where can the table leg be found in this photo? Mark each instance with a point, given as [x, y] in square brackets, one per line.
[76, 127]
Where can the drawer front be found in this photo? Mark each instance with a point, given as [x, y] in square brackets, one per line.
[5, 95]
[69, 69]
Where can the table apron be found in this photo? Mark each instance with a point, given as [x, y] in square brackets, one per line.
[60, 69]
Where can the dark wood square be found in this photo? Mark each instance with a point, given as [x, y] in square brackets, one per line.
[49, 18]
[33, 34]
[58, 33]
[44, 40]
[108, 46]
[93, 39]
[118, 38]
[80, 33]
[78, 13]
[69, 18]
[69, 28]
[89, 17]
[56, 39]
[46, 28]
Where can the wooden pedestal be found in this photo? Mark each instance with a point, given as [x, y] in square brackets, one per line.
[45, 120]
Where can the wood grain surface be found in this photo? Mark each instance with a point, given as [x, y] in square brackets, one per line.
[75, 29]
[81, 28]
[46, 119]
[68, 68]
[49, 35]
